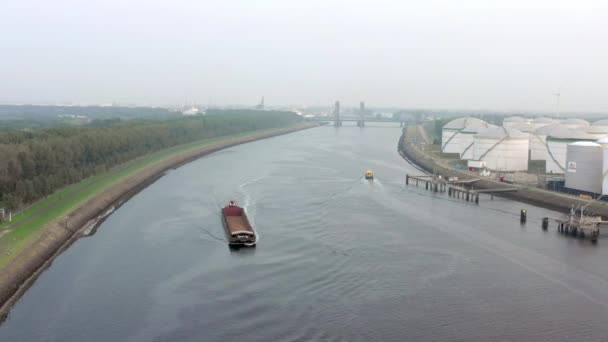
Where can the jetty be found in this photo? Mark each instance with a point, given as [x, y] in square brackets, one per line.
[576, 225]
[455, 187]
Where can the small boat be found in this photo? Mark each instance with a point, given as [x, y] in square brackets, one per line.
[238, 229]
[369, 174]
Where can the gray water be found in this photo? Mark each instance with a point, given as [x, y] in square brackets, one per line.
[339, 258]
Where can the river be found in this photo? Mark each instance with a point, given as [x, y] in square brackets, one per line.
[339, 258]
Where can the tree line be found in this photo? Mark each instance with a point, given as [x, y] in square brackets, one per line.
[35, 163]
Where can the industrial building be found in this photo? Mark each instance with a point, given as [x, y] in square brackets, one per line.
[585, 167]
[456, 134]
[501, 149]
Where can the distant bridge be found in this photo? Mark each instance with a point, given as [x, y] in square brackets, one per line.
[360, 118]
[357, 119]
[350, 118]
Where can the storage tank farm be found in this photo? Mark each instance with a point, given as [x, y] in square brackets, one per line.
[584, 166]
[571, 147]
[454, 136]
[502, 149]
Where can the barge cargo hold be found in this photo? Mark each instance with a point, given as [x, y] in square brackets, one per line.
[239, 231]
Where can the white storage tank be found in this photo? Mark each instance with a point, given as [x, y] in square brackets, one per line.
[603, 122]
[502, 149]
[467, 139]
[557, 143]
[604, 144]
[575, 123]
[542, 122]
[538, 141]
[526, 127]
[511, 121]
[584, 166]
[453, 139]
[599, 131]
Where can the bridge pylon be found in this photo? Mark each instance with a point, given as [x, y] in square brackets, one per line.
[337, 122]
[361, 121]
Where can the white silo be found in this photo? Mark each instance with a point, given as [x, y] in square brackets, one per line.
[502, 149]
[538, 141]
[557, 142]
[511, 121]
[453, 140]
[575, 123]
[584, 164]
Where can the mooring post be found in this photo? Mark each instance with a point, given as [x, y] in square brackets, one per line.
[545, 223]
[523, 215]
[407, 179]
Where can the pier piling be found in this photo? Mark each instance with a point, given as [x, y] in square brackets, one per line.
[523, 215]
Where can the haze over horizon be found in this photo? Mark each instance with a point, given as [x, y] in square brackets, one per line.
[507, 55]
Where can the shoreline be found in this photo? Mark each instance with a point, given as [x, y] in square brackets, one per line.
[57, 235]
[526, 194]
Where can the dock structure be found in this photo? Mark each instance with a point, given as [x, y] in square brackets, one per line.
[455, 187]
[430, 182]
[578, 226]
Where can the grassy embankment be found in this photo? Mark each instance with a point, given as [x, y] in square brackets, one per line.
[27, 223]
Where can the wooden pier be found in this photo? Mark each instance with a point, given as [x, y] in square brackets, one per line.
[455, 187]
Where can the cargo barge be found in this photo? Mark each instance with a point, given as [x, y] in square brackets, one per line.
[239, 231]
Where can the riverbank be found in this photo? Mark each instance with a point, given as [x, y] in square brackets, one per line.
[31, 255]
[532, 195]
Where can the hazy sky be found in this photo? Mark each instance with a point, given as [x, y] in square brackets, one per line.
[465, 54]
